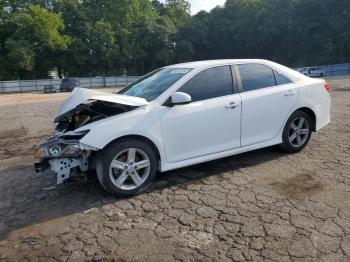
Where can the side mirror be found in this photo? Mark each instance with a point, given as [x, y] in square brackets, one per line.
[179, 98]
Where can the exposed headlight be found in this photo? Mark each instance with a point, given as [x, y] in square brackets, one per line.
[63, 150]
[66, 145]
[55, 150]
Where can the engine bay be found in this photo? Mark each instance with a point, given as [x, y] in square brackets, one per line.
[89, 112]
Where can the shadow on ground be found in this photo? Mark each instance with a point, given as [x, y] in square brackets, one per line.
[27, 199]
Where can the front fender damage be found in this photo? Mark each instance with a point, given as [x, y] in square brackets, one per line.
[63, 154]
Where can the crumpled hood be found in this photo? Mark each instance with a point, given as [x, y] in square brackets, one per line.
[82, 95]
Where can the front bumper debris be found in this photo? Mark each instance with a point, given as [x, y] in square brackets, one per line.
[40, 167]
[67, 161]
[64, 168]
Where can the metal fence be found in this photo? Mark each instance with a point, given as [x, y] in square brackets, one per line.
[120, 81]
[87, 82]
[337, 70]
[332, 70]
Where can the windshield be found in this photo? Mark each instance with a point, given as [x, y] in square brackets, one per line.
[155, 83]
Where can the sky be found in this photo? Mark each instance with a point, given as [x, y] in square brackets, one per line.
[207, 5]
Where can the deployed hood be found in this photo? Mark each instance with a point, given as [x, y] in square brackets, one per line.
[82, 95]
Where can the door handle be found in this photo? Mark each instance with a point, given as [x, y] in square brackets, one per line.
[290, 93]
[232, 105]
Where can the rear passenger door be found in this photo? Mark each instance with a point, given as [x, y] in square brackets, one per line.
[267, 99]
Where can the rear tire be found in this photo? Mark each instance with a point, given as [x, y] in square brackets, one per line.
[127, 167]
[297, 132]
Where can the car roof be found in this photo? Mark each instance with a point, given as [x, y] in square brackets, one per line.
[209, 63]
[290, 73]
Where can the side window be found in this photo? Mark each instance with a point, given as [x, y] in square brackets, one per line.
[256, 76]
[210, 83]
[280, 79]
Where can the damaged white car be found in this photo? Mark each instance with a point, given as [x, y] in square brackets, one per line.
[182, 115]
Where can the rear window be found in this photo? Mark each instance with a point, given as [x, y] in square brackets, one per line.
[257, 76]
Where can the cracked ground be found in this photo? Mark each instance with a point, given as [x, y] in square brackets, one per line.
[263, 205]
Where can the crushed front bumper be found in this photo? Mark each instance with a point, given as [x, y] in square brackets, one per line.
[64, 158]
[63, 168]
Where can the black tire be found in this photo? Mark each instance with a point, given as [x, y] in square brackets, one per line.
[289, 146]
[106, 157]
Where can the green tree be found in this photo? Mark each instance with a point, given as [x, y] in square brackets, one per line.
[178, 11]
[293, 32]
[109, 37]
[30, 49]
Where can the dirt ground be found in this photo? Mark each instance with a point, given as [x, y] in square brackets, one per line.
[259, 206]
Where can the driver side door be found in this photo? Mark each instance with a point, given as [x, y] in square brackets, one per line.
[210, 124]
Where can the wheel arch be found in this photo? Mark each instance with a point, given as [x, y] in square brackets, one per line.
[139, 138]
[311, 114]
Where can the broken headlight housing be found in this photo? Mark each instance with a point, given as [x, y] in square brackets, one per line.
[63, 146]
[59, 147]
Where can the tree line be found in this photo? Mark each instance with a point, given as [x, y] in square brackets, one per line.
[115, 37]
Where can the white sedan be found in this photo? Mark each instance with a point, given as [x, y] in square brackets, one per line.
[182, 115]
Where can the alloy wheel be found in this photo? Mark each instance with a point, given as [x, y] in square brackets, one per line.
[298, 132]
[129, 169]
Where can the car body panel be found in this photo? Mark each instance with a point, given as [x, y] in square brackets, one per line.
[144, 122]
[201, 131]
[166, 166]
[313, 95]
[260, 106]
[201, 128]
[82, 95]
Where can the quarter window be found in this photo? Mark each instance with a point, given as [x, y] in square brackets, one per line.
[280, 79]
[210, 83]
[256, 76]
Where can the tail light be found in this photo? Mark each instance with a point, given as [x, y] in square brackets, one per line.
[328, 87]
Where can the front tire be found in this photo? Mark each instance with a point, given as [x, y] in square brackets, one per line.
[127, 167]
[297, 132]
